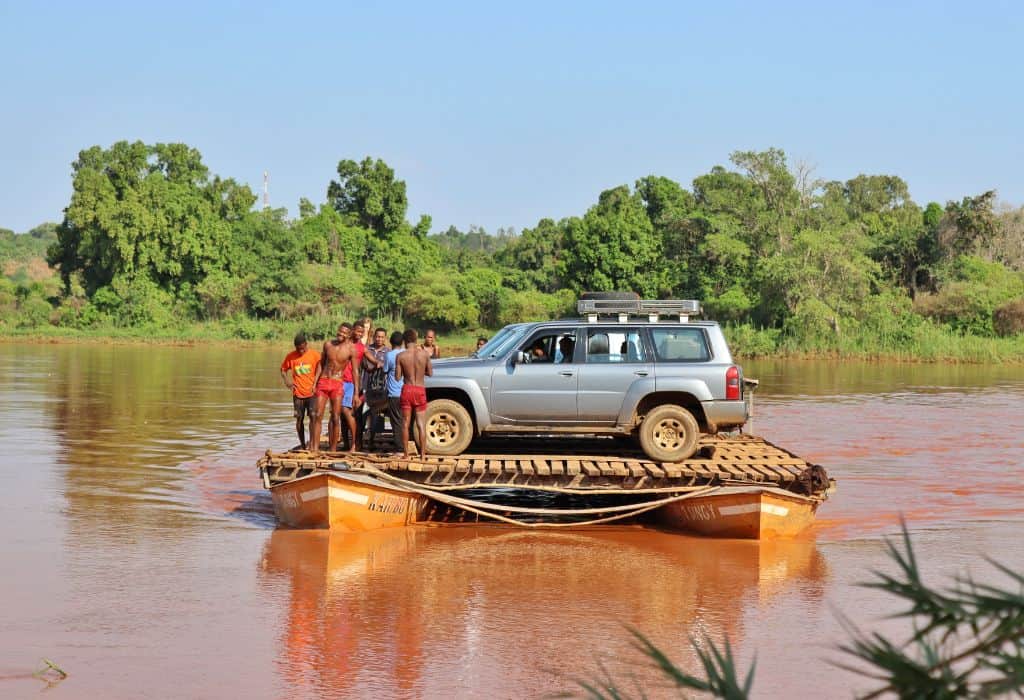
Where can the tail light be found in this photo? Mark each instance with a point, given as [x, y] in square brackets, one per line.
[732, 384]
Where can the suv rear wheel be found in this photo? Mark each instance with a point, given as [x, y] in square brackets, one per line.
[669, 433]
[449, 427]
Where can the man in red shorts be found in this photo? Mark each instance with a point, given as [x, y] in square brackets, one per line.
[338, 355]
[411, 366]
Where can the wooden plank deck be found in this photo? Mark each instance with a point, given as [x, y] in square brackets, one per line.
[732, 459]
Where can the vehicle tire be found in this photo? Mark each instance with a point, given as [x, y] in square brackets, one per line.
[669, 433]
[609, 296]
[449, 427]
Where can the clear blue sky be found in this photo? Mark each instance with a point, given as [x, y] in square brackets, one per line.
[501, 114]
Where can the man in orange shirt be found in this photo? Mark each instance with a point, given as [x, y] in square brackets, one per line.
[300, 370]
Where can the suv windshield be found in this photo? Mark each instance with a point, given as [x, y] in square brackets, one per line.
[501, 342]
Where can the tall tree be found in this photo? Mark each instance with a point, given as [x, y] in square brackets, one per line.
[970, 225]
[149, 211]
[369, 192]
[613, 247]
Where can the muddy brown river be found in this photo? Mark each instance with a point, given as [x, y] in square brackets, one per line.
[140, 554]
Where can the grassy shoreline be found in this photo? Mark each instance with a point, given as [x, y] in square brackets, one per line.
[943, 347]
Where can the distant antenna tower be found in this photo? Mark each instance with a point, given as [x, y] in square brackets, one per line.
[266, 190]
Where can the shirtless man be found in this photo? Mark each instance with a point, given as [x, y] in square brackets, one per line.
[411, 366]
[430, 345]
[338, 354]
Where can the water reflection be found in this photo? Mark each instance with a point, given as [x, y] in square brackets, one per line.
[126, 418]
[435, 611]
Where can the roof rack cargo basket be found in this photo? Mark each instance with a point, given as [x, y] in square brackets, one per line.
[652, 308]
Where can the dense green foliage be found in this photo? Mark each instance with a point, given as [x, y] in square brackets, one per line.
[967, 641]
[151, 239]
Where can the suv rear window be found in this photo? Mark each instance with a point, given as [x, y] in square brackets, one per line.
[680, 345]
[614, 345]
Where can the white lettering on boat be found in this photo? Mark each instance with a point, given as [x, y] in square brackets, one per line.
[700, 511]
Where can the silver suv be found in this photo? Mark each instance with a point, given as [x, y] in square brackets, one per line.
[621, 369]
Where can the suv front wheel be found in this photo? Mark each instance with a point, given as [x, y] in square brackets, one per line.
[669, 433]
[449, 427]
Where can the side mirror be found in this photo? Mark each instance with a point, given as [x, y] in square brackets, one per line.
[521, 358]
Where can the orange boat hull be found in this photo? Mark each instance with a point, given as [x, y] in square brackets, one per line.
[344, 502]
[752, 513]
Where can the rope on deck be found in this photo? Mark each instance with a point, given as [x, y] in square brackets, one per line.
[571, 490]
[486, 509]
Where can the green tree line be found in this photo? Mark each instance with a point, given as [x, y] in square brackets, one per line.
[152, 239]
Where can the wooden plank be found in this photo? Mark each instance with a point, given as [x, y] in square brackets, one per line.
[654, 469]
[479, 466]
[733, 471]
[541, 467]
[792, 473]
[557, 466]
[572, 467]
[590, 468]
[606, 469]
[672, 471]
[526, 466]
[768, 474]
[636, 468]
[498, 466]
[782, 474]
[701, 470]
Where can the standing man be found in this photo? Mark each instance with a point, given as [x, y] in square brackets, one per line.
[412, 366]
[373, 387]
[395, 390]
[352, 396]
[299, 371]
[430, 345]
[338, 356]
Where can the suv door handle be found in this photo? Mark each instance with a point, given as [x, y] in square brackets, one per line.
[641, 373]
[567, 373]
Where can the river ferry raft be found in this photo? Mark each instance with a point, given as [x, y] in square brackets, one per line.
[735, 486]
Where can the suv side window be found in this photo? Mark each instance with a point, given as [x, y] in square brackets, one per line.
[680, 345]
[614, 345]
[551, 346]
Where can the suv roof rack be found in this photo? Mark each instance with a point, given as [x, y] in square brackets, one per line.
[654, 309]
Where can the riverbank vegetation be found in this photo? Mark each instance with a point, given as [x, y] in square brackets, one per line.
[152, 245]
